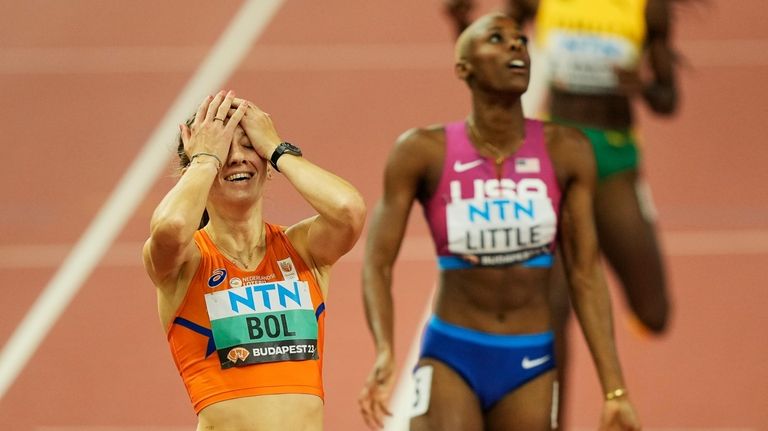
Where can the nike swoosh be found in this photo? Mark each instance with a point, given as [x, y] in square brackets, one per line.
[463, 167]
[533, 363]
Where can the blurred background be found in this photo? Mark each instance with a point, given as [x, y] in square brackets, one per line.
[92, 91]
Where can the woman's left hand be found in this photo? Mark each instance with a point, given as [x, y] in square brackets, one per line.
[259, 128]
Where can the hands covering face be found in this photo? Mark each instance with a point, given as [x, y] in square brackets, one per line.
[258, 127]
[215, 122]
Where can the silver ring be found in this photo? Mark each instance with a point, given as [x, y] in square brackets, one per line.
[220, 119]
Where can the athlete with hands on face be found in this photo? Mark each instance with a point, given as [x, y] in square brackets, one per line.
[242, 300]
[498, 192]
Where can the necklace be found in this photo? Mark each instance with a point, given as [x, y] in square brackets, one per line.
[234, 259]
[242, 263]
[499, 155]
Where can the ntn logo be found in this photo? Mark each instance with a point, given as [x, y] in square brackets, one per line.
[262, 295]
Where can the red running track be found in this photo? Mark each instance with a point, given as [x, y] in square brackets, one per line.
[85, 83]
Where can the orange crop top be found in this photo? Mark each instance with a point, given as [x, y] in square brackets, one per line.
[242, 333]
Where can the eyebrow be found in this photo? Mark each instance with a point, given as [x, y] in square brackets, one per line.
[517, 29]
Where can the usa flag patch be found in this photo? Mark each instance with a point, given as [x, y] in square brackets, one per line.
[527, 165]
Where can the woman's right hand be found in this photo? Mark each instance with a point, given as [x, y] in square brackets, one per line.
[374, 397]
[619, 415]
[214, 125]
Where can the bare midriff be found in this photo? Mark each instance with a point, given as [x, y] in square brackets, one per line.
[604, 111]
[505, 300]
[263, 412]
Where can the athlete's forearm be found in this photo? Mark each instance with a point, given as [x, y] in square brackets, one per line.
[379, 309]
[661, 92]
[385, 237]
[334, 199]
[592, 304]
[177, 217]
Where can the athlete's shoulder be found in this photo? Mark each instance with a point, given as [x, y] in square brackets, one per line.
[560, 135]
[420, 142]
[569, 149]
[434, 133]
[417, 155]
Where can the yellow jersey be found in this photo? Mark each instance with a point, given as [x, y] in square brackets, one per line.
[583, 40]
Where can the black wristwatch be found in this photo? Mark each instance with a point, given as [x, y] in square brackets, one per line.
[283, 148]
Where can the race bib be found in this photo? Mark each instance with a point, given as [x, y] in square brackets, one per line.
[501, 231]
[267, 322]
[422, 388]
[584, 63]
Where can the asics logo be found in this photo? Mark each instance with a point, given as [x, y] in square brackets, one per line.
[463, 167]
[533, 363]
[217, 276]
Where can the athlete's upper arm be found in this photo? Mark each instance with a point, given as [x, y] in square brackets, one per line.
[660, 51]
[404, 179]
[661, 92]
[574, 159]
[164, 261]
[324, 238]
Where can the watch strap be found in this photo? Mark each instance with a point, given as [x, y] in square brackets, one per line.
[283, 148]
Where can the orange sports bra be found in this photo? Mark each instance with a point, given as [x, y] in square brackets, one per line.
[242, 333]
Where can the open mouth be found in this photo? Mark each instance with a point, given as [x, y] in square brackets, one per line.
[516, 64]
[238, 177]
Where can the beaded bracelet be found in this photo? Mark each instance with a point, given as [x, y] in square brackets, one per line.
[218, 160]
[616, 393]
